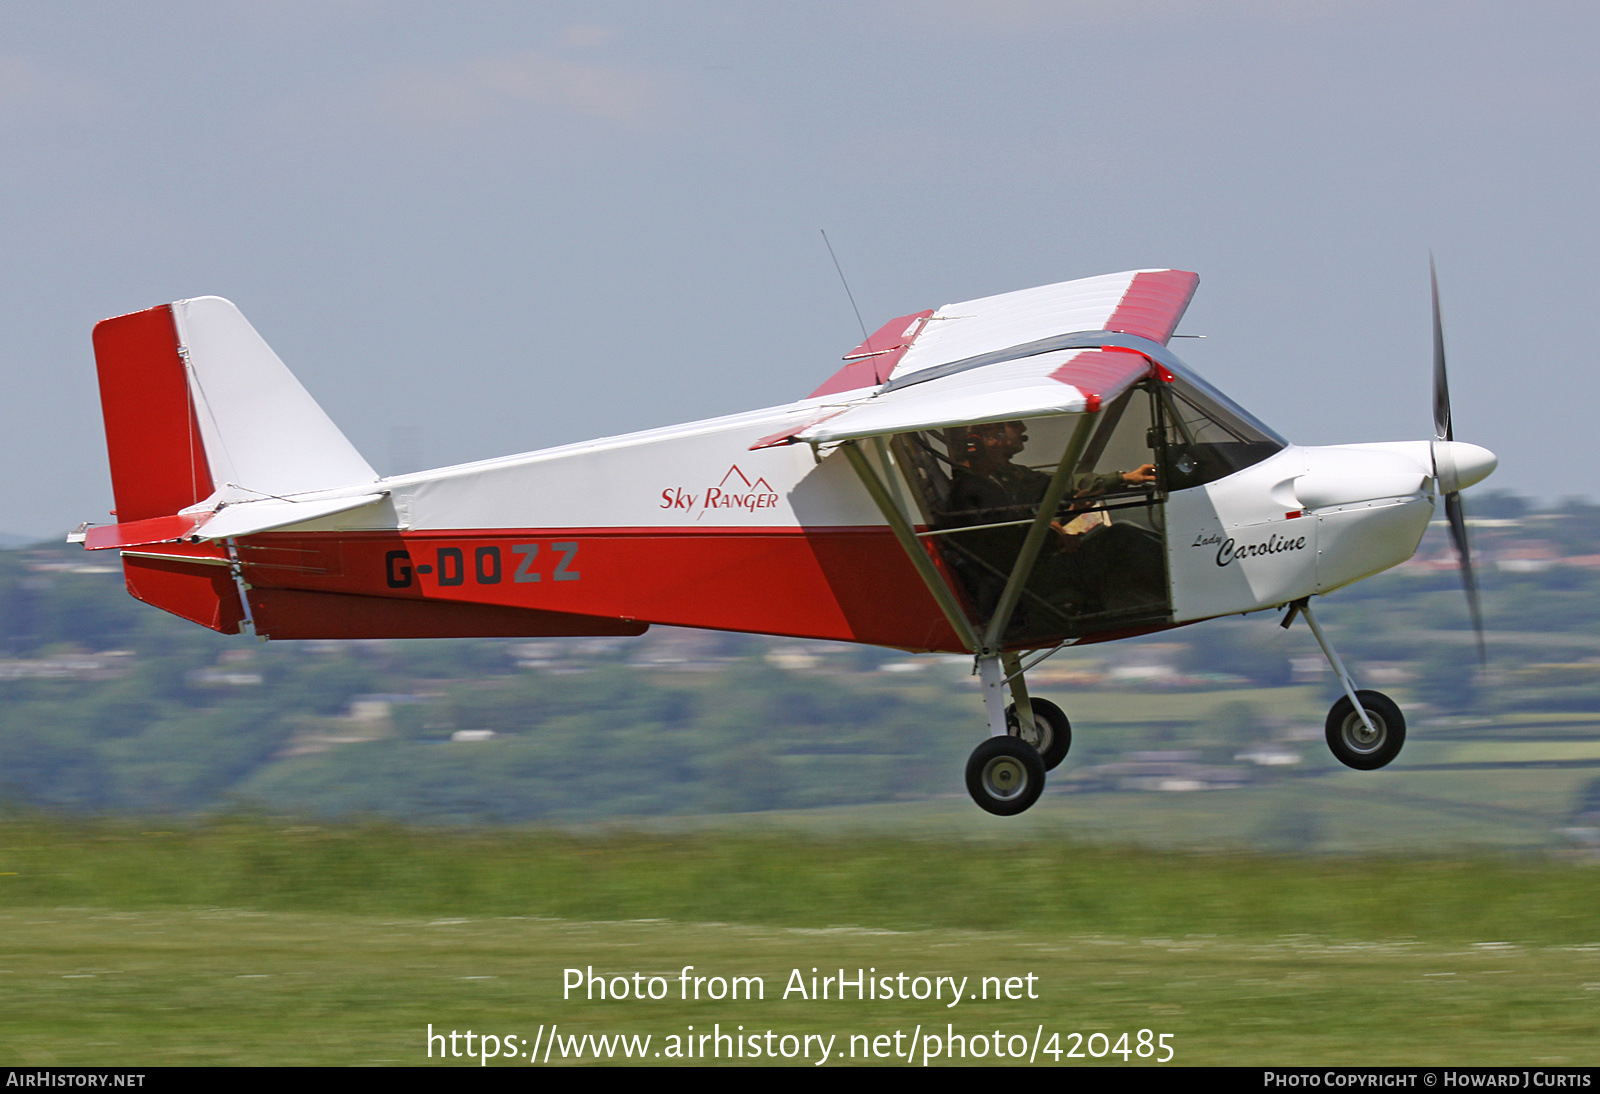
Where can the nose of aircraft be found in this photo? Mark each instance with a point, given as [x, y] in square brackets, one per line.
[1459, 465]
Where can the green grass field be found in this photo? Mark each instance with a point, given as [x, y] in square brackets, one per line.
[256, 942]
[236, 987]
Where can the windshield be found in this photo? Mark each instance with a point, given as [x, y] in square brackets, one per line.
[1206, 435]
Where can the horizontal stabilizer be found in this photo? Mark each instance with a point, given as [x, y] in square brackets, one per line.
[240, 519]
[248, 518]
[134, 533]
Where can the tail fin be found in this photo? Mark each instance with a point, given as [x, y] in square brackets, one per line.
[264, 434]
[199, 409]
[196, 404]
[158, 462]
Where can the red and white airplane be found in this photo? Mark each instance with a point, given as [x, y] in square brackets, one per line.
[1000, 477]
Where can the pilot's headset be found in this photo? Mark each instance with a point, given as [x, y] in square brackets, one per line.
[963, 442]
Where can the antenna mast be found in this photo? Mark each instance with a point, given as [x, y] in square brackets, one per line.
[845, 283]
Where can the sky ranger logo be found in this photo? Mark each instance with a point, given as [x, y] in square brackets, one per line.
[735, 491]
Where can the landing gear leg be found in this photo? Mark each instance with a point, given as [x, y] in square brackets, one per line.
[1005, 774]
[1039, 722]
[1019, 715]
[1365, 729]
[992, 675]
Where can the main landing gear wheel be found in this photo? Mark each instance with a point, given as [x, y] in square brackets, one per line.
[1005, 775]
[1353, 744]
[1053, 731]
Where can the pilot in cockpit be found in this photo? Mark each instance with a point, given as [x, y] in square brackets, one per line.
[986, 487]
[1093, 566]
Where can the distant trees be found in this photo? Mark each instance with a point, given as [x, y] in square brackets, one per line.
[1255, 649]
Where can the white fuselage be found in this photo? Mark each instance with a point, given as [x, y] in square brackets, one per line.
[1306, 520]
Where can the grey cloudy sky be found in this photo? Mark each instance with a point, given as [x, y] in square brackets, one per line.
[479, 228]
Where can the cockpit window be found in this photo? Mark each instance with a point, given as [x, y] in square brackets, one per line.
[1197, 391]
[1102, 564]
[1206, 437]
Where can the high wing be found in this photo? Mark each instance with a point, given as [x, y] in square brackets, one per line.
[1146, 303]
[1058, 349]
[1062, 382]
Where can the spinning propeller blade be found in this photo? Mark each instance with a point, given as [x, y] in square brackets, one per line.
[1458, 532]
[1444, 469]
[1442, 430]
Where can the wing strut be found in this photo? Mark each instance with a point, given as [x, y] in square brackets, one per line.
[1060, 483]
[914, 548]
[986, 645]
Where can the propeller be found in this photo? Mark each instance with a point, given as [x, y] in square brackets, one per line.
[1446, 473]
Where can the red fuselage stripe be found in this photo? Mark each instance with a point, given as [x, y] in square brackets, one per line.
[847, 584]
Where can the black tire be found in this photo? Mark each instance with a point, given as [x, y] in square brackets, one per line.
[1349, 740]
[1005, 776]
[1055, 732]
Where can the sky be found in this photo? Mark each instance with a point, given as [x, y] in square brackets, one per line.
[481, 228]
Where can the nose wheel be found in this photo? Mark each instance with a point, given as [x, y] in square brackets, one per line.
[1365, 736]
[1005, 775]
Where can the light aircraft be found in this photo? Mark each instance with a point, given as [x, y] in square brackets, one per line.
[1001, 477]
